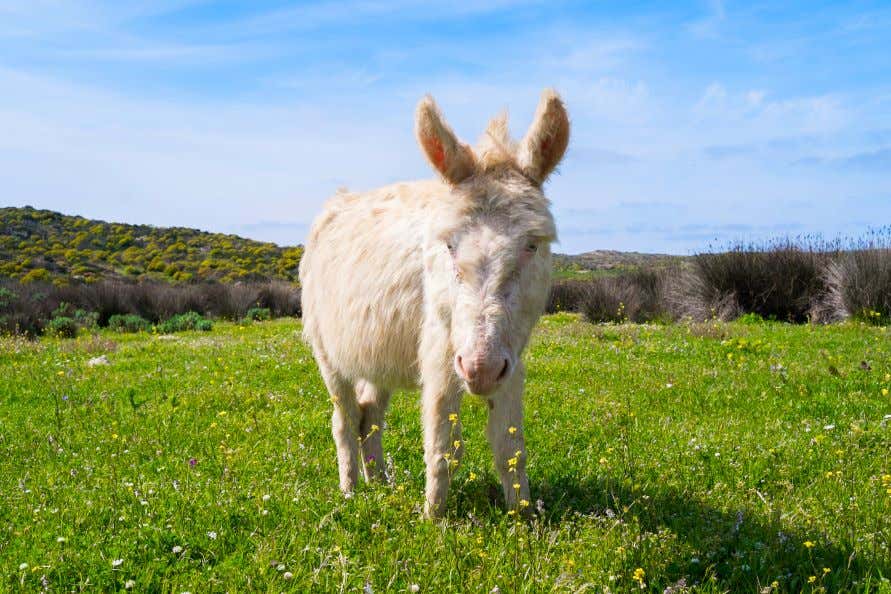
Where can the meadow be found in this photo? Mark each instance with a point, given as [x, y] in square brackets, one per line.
[743, 456]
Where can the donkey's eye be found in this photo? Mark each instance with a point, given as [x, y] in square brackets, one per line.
[532, 248]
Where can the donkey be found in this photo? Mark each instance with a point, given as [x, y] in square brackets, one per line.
[437, 283]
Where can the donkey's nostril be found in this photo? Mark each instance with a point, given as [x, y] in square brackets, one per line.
[503, 373]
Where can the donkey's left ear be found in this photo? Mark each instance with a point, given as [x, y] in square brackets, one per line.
[545, 142]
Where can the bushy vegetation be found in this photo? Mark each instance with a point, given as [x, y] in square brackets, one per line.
[43, 246]
[784, 280]
[128, 323]
[29, 308]
[779, 281]
[702, 457]
[258, 314]
[187, 321]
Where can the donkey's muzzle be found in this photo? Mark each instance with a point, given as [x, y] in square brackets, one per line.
[482, 375]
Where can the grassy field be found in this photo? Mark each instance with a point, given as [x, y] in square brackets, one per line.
[727, 457]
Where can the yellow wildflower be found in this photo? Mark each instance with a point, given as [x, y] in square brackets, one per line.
[638, 575]
[808, 544]
[513, 430]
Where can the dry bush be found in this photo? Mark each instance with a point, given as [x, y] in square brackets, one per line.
[782, 280]
[28, 308]
[858, 285]
[637, 296]
[567, 295]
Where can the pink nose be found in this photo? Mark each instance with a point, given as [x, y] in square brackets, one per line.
[482, 375]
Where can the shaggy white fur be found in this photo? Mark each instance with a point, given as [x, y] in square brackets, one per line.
[437, 284]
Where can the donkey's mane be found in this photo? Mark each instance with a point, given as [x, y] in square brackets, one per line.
[496, 150]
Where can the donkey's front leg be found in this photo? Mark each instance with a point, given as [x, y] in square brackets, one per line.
[505, 433]
[442, 442]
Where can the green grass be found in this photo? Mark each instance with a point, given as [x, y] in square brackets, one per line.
[727, 455]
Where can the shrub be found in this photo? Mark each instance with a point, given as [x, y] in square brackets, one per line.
[779, 281]
[63, 327]
[129, 323]
[258, 314]
[636, 296]
[86, 319]
[858, 285]
[567, 295]
[281, 298]
[187, 321]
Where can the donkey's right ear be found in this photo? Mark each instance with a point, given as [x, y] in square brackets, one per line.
[450, 157]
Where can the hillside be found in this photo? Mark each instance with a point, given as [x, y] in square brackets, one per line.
[609, 262]
[46, 245]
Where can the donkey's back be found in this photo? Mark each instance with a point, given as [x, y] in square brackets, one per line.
[362, 280]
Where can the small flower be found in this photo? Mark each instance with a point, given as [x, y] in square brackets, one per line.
[129, 584]
[808, 544]
[414, 588]
[177, 549]
[61, 539]
[511, 430]
[472, 476]
[457, 444]
[117, 562]
[23, 566]
[212, 535]
[812, 579]
[826, 570]
[884, 391]
[374, 428]
[524, 503]
[453, 417]
[266, 497]
[516, 486]
[287, 575]
[638, 576]
[193, 462]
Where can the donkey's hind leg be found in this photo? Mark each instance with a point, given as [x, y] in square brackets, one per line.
[373, 403]
[344, 424]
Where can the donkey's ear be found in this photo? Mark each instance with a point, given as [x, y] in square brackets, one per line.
[545, 142]
[451, 158]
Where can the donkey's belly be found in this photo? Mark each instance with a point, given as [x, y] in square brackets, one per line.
[380, 344]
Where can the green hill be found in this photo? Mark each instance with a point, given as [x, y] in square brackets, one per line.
[46, 245]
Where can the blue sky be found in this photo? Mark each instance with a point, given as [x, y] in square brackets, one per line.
[694, 124]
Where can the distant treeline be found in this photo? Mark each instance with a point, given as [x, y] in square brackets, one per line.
[36, 308]
[791, 281]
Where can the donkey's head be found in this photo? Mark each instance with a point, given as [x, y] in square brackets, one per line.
[487, 250]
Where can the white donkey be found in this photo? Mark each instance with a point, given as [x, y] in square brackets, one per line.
[437, 283]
